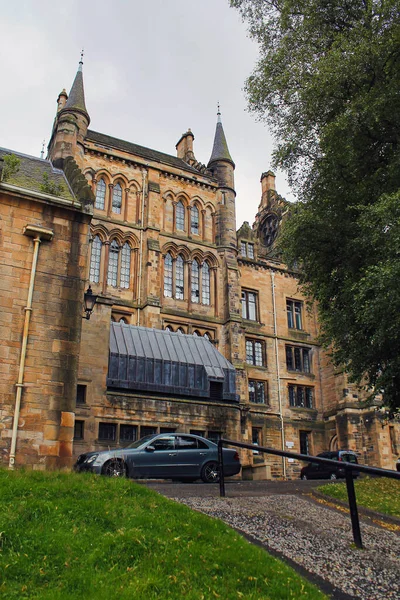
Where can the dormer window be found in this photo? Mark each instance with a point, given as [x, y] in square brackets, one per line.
[247, 249]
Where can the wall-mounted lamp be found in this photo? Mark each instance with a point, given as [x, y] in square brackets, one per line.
[89, 300]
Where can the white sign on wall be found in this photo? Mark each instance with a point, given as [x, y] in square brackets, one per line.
[290, 444]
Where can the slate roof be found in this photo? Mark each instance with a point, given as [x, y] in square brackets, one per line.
[162, 361]
[220, 149]
[141, 151]
[31, 171]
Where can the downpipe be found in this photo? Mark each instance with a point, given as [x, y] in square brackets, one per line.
[278, 374]
[47, 234]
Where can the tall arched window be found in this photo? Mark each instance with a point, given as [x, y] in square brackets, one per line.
[117, 199]
[168, 276]
[112, 273]
[100, 194]
[195, 282]
[205, 283]
[194, 220]
[169, 328]
[179, 278]
[125, 266]
[94, 272]
[180, 217]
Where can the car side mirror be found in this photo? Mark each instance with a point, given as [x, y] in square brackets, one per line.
[150, 448]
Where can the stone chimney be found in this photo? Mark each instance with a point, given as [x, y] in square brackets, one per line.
[184, 148]
[267, 186]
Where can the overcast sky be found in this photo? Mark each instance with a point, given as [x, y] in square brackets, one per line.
[152, 69]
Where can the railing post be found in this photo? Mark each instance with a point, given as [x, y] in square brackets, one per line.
[351, 493]
[221, 470]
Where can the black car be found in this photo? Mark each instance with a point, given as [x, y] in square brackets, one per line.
[178, 456]
[320, 471]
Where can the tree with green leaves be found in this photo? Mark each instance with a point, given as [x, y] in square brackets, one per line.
[328, 84]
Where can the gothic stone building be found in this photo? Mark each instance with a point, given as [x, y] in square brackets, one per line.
[163, 254]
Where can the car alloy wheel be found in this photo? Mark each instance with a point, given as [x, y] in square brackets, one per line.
[114, 468]
[210, 472]
[333, 476]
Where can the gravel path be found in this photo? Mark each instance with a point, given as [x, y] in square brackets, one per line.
[318, 539]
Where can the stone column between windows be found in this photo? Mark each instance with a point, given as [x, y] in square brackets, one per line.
[94, 184]
[105, 268]
[173, 291]
[203, 225]
[126, 204]
[110, 195]
[214, 294]
[164, 214]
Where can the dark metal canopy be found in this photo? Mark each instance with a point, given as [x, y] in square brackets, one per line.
[154, 360]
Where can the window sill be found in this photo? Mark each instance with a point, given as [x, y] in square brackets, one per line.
[304, 408]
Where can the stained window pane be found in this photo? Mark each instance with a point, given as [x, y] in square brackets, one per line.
[258, 355]
[117, 199]
[289, 358]
[252, 306]
[252, 391]
[168, 276]
[260, 392]
[205, 288]
[125, 266]
[250, 250]
[112, 273]
[244, 305]
[194, 220]
[297, 312]
[179, 278]
[249, 352]
[100, 194]
[94, 273]
[306, 361]
[243, 248]
[292, 395]
[195, 281]
[290, 316]
[297, 359]
[309, 397]
[180, 217]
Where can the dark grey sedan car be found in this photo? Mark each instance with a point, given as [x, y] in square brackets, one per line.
[178, 456]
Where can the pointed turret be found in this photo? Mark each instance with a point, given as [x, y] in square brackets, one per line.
[220, 149]
[76, 98]
[72, 122]
[222, 167]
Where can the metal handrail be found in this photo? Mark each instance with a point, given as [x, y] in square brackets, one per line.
[348, 468]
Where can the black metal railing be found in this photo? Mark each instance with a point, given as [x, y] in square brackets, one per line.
[346, 466]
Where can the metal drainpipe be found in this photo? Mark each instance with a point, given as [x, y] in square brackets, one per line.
[278, 375]
[141, 247]
[28, 309]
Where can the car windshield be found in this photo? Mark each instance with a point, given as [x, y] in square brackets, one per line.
[140, 442]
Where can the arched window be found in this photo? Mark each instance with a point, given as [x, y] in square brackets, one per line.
[180, 217]
[196, 333]
[117, 199]
[207, 336]
[194, 220]
[169, 328]
[195, 282]
[180, 330]
[94, 272]
[205, 284]
[125, 266]
[100, 194]
[179, 278]
[112, 273]
[123, 320]
[168, 276]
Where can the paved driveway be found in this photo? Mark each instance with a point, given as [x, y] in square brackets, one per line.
[315, 538]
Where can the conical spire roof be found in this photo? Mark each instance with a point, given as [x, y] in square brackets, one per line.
[220, 149]
[76, 98]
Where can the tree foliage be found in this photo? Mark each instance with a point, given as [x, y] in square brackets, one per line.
[328, 84]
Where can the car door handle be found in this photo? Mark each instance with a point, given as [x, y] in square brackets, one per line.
[172, 454]
[203, 453]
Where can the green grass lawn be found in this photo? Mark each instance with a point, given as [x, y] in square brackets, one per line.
[69, 536]
[380, 494]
